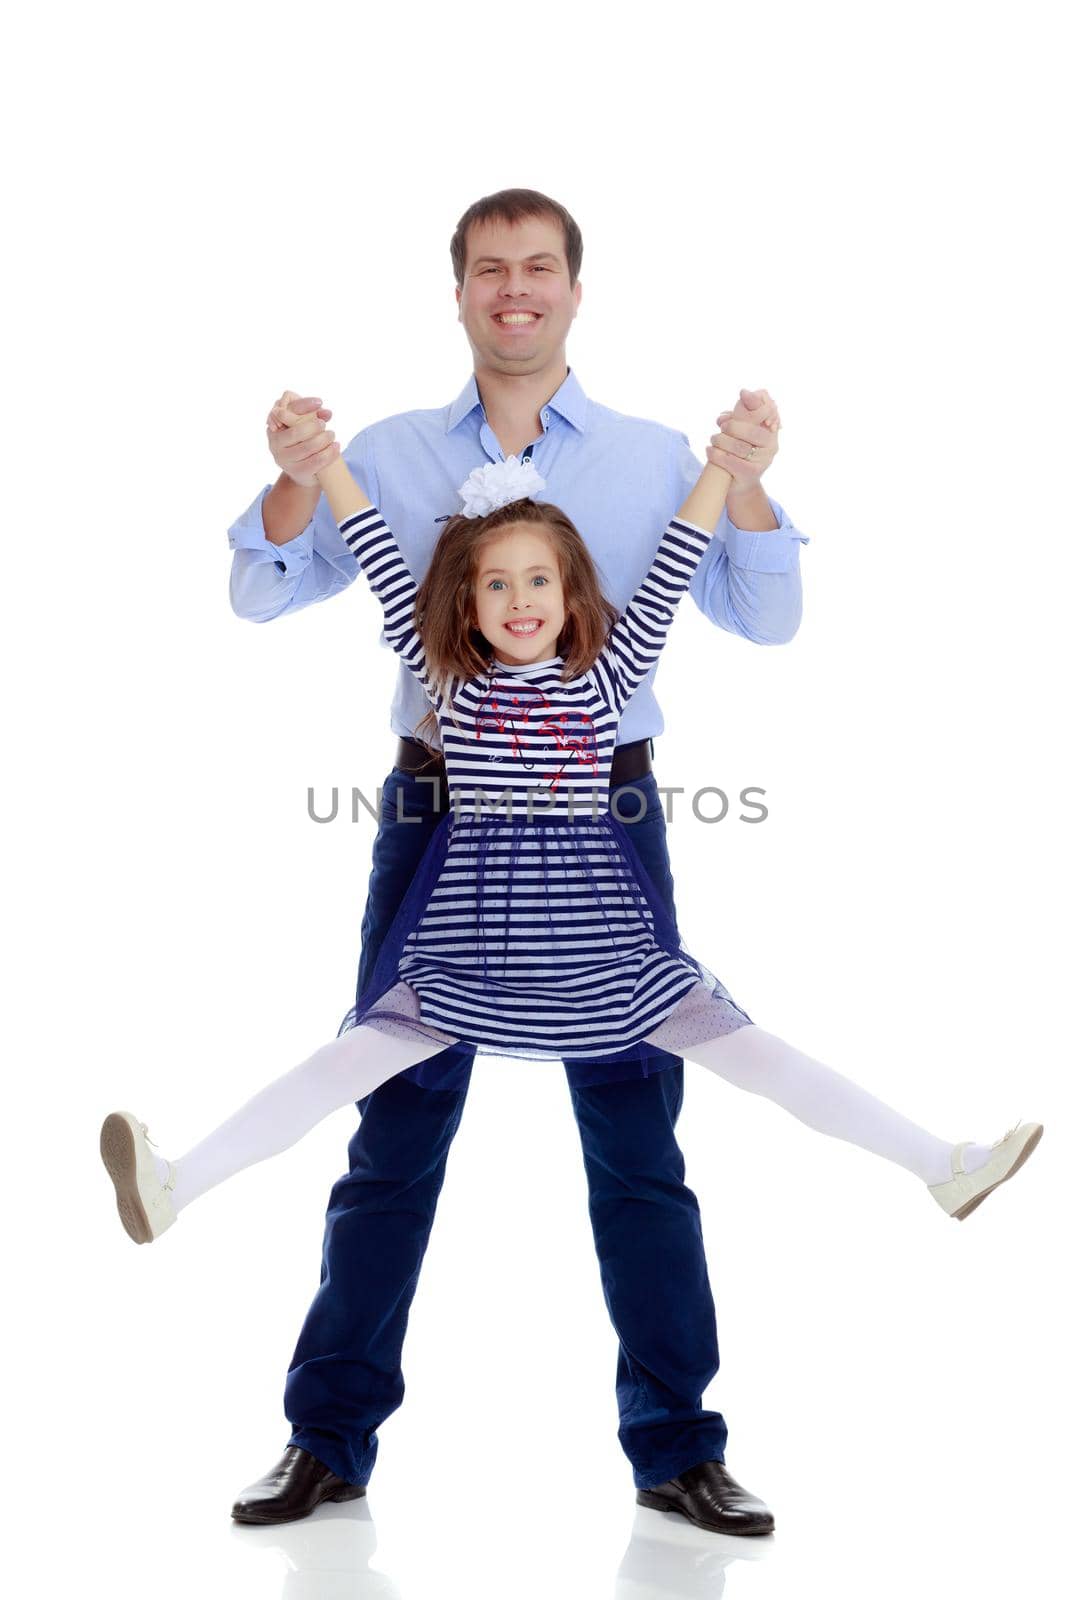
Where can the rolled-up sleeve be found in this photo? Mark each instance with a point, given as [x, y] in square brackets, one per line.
[748, 582]
[268, 580]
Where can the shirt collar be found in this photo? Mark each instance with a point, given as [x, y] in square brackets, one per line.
[568, 402]
[529, 666]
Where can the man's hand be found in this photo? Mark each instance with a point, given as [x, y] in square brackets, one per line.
[299, 443]
[753, 421]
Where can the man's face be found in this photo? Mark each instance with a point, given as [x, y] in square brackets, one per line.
[519, 585]
[517, 304]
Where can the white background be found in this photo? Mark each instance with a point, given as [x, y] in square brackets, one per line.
[855, 210]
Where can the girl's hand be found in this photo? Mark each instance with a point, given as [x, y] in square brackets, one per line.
[753, 421]
[299, 443]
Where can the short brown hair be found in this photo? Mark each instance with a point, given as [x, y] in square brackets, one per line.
[445, 609]
[516, 205]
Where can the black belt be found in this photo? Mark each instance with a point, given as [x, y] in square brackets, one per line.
[629, 762]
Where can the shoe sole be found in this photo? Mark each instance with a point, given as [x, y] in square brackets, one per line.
[1027, 1150]
[120, 1158]
[353, 1491]
[656, 1502]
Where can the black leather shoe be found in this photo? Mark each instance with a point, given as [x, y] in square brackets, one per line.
[708, 1496]
[293, 1489]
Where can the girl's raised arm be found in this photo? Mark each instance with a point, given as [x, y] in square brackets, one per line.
[372, 542]
[707, 497]
[637, 639]
[345, 495]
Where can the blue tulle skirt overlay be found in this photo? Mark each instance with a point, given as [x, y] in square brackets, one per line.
[542, 939]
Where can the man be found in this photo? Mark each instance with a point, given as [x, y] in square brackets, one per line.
[516, 257]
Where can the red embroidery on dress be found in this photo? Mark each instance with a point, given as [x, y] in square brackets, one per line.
[503, 711]
[491, 713]
[581, 745]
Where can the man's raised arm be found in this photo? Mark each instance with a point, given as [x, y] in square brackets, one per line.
[287, 552]
[749, 579]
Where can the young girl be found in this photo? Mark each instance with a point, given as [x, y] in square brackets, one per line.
[531, 928]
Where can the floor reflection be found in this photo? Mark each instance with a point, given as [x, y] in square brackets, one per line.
[328, 1555]
[668, 1559]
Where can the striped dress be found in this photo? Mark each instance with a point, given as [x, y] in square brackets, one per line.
[531, 928]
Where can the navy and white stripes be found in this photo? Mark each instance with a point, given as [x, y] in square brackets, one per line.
[523, 737]
[534, 933]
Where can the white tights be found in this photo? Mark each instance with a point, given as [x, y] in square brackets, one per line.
[278, 1116]
[828, 1102]
[346, 1069]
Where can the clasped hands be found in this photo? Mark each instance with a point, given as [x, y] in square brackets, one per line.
[302, 445]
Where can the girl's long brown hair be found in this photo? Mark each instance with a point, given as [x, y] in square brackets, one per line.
[445, 610]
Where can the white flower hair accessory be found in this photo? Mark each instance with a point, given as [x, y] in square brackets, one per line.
[489, 488]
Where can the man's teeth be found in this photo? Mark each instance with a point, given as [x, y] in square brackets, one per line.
[514, 318]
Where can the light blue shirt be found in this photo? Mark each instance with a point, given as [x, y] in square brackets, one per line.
[620, 480]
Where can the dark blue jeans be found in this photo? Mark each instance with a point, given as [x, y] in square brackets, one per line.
[345, 1376]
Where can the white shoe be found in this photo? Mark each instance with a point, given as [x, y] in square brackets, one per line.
[145, 1204]
[964, 1190]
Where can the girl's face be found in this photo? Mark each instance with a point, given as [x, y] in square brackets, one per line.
[519, 595]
